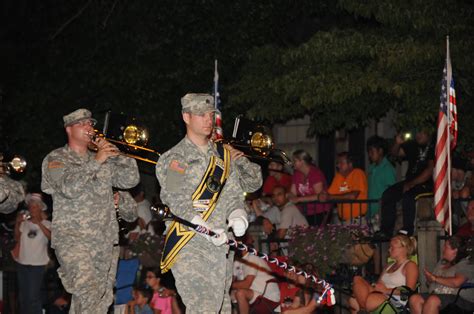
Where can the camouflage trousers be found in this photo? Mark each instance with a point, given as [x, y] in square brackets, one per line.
[203, 280]
[88, 273]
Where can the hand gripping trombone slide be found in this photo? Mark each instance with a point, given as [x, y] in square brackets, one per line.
[327, 296]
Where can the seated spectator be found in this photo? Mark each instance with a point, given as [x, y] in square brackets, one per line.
[308, 308]
[164, 300]
[143, 210]
[467, 230]
[308, 182]
[270, 212]
[418, 180]
[139, 304]
[349, 183]
[402, 272]
[290, 291]
[32, 232]
[449, 274]
[380, 176]
[276, 177]
[460, 189]
[306, 300]
[460, 178]
[252, 280]
[290, 216]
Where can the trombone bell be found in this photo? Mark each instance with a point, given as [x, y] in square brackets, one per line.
[261, 143]
[135, 135]
[18, 164]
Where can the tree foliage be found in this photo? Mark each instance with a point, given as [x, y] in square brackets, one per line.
[390, 57]
[340, 62]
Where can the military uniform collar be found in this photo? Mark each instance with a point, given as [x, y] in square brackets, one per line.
[211, 150]
[87, 156]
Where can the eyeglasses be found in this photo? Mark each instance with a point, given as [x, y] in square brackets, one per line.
[85, 122]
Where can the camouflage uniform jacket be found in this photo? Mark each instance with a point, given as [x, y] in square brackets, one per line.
[200, 263]
[11, 194]
[85, 228]
[82, 194]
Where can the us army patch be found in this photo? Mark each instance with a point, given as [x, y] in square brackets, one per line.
[55, 165]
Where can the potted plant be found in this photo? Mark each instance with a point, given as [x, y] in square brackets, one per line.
[324, 248]
[147, 248]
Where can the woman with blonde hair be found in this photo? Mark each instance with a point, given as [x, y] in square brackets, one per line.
[402, 272]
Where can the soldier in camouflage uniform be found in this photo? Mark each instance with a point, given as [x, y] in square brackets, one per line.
[85, 228]
[11, 193]
[203, 267]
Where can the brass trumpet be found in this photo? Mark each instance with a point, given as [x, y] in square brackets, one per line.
[17, 164]
[132, 141]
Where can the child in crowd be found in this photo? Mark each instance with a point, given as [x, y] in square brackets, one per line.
[164, 300]
[139, 304]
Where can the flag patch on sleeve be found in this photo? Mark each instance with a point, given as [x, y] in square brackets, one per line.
[177, 166]
[55, 165]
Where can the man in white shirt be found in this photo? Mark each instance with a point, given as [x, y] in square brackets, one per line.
[253, 278]
[290, 215]
[144, 213]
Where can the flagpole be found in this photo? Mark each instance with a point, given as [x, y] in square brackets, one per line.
[218, 133]
[216, 82]
[448, 86]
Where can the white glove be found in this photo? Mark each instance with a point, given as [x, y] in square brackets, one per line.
[221, 237]
[238, 222]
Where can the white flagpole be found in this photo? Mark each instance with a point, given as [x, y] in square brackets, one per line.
[216, 82]
[448, 86]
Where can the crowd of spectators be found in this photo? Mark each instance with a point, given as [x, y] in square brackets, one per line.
[301, 197]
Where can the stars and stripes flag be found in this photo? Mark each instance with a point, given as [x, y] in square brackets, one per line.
[445, 142]
[218, 133]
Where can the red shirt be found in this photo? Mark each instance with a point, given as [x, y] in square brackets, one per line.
[287, 295]
[465, 231]
[304, 187]
[271, 182]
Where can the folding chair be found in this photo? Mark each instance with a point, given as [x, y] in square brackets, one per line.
[390, 306]
[454, 307]
[126, 275]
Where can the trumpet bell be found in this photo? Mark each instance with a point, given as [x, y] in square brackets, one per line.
[135, 135]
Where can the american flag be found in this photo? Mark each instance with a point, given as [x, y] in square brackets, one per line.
[445, 142]
[218, 133]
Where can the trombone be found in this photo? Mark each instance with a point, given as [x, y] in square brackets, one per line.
[261, 143]
[133, 140]
[17, 164]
